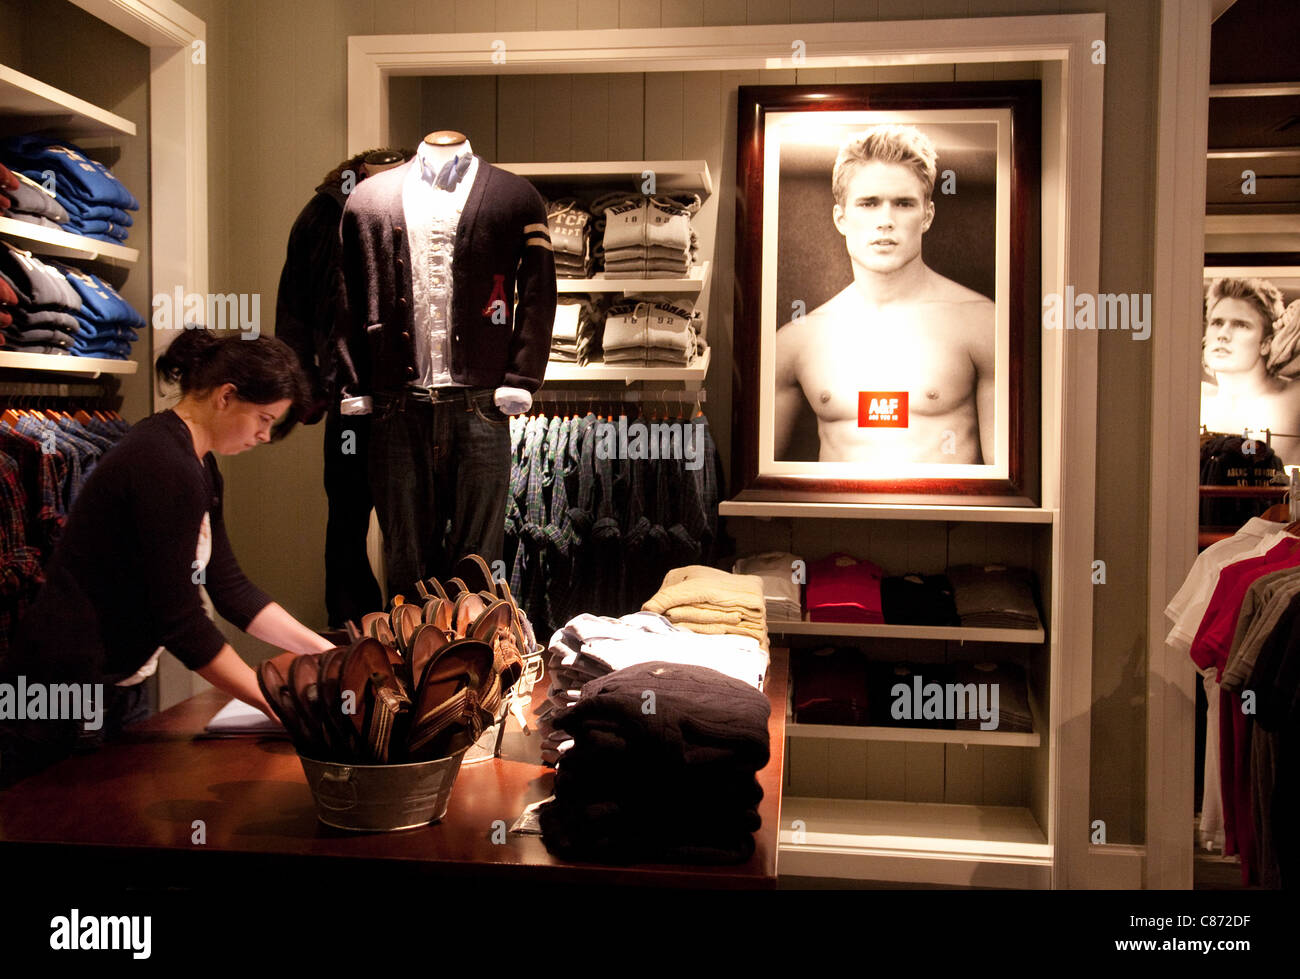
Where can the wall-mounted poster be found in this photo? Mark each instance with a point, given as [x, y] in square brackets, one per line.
[887, 299]
[1250, 385]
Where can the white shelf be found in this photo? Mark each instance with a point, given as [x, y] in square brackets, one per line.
[690, 175]
[790, 627]
[849, 732]
[885, 511]
[917, 842]
[61, 244]
[557, 371]
[45, 107]
[66, 365]
[634, 287]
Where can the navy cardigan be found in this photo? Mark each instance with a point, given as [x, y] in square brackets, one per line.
[503, 286]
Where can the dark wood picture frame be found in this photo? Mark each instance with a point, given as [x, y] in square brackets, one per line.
[1020, 484]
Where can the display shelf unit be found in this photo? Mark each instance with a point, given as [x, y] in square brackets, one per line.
[62, 244]
[922, 842]
[740, 507]
[693, 283]
[28, 104]
[669, 175]
[693, 376]
[802, 627]
[66, 365]
[867, 732]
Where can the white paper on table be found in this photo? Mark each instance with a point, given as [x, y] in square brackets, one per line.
[238, 718]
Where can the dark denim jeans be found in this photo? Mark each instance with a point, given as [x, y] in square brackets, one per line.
[439, 474]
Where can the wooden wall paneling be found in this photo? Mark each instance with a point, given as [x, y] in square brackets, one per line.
[595, 15]
[936, 9]
[591, 117]
[626, 117]
[405, 109]
[887, 770]
[664, 106]
[557, 15]
[963, 782]
[720, 13]
[975, 72]
[848, 11]
[471, 17]
[553, 107]
[466, 103]
[517, 15]
[681, 13]
[807, 769]
[855, 76]
[815, 76]
[812, 12]
[967, 543]
[1004, 776]
[638, 13]
[702, 139]
[924, 771]
[1013, 70]
[847, 773]
[935, 73]
[390, 16]
[768, 11]
[516, 120]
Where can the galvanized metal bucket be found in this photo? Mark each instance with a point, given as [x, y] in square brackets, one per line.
[378, 798]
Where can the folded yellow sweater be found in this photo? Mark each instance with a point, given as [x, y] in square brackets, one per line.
[713, 588]
[715, 629]
[706, 615]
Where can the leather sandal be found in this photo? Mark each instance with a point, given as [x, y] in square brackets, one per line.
[378, 697]
[495, 626]
[476, 574]
[457, 699]
[273, 680]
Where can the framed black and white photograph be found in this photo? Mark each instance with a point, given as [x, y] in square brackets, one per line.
[887, 292]
[1250, 340]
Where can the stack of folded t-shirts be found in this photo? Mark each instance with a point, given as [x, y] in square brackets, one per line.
[570, 230]
[646, 237]
[564, 335]
[8, 182]
[779, 573]
[843, 589]
[655, 332]
[918, 599]
[590, 646]
[1012, 694]
[830, 687]
[30, 202]
[890, 706]
[993, 596]
[674, 784]
[108, 322]
[96, 202]
[712, 602]
[41, 319]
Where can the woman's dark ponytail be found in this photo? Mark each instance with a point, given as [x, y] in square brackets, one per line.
[262, 369]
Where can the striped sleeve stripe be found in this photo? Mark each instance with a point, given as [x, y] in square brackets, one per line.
[540, 243]
[537, 227]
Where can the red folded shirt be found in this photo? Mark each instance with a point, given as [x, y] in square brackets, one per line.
[843, 589]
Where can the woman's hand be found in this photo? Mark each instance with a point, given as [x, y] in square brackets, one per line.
[277, 627]
[231, 674]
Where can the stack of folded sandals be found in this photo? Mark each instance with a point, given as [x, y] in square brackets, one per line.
[422, 682]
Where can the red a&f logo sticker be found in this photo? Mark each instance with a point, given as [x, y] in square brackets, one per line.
[882, 409]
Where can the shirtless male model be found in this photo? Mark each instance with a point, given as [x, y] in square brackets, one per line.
[898, 327]
[1239, 318]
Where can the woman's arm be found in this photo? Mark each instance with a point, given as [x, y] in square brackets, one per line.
[230, 673]
[276, 626]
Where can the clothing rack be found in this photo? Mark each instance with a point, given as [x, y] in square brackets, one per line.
[584, 397]
[1267, 433]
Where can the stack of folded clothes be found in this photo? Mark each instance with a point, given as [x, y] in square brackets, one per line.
[843, 589]
[1013, 694]
[108, 322]
[23, 199]
[712, 602]
[41, 317]
[655, 332]
[918, 599]
[564, 334]
[992, 596]
[570, 230]
[646, 237]
[96, 202]
[590, 646]
[777, 569]
[830, 687]
[675, 784]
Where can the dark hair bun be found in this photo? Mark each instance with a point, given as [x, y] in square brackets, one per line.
[186, 354]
